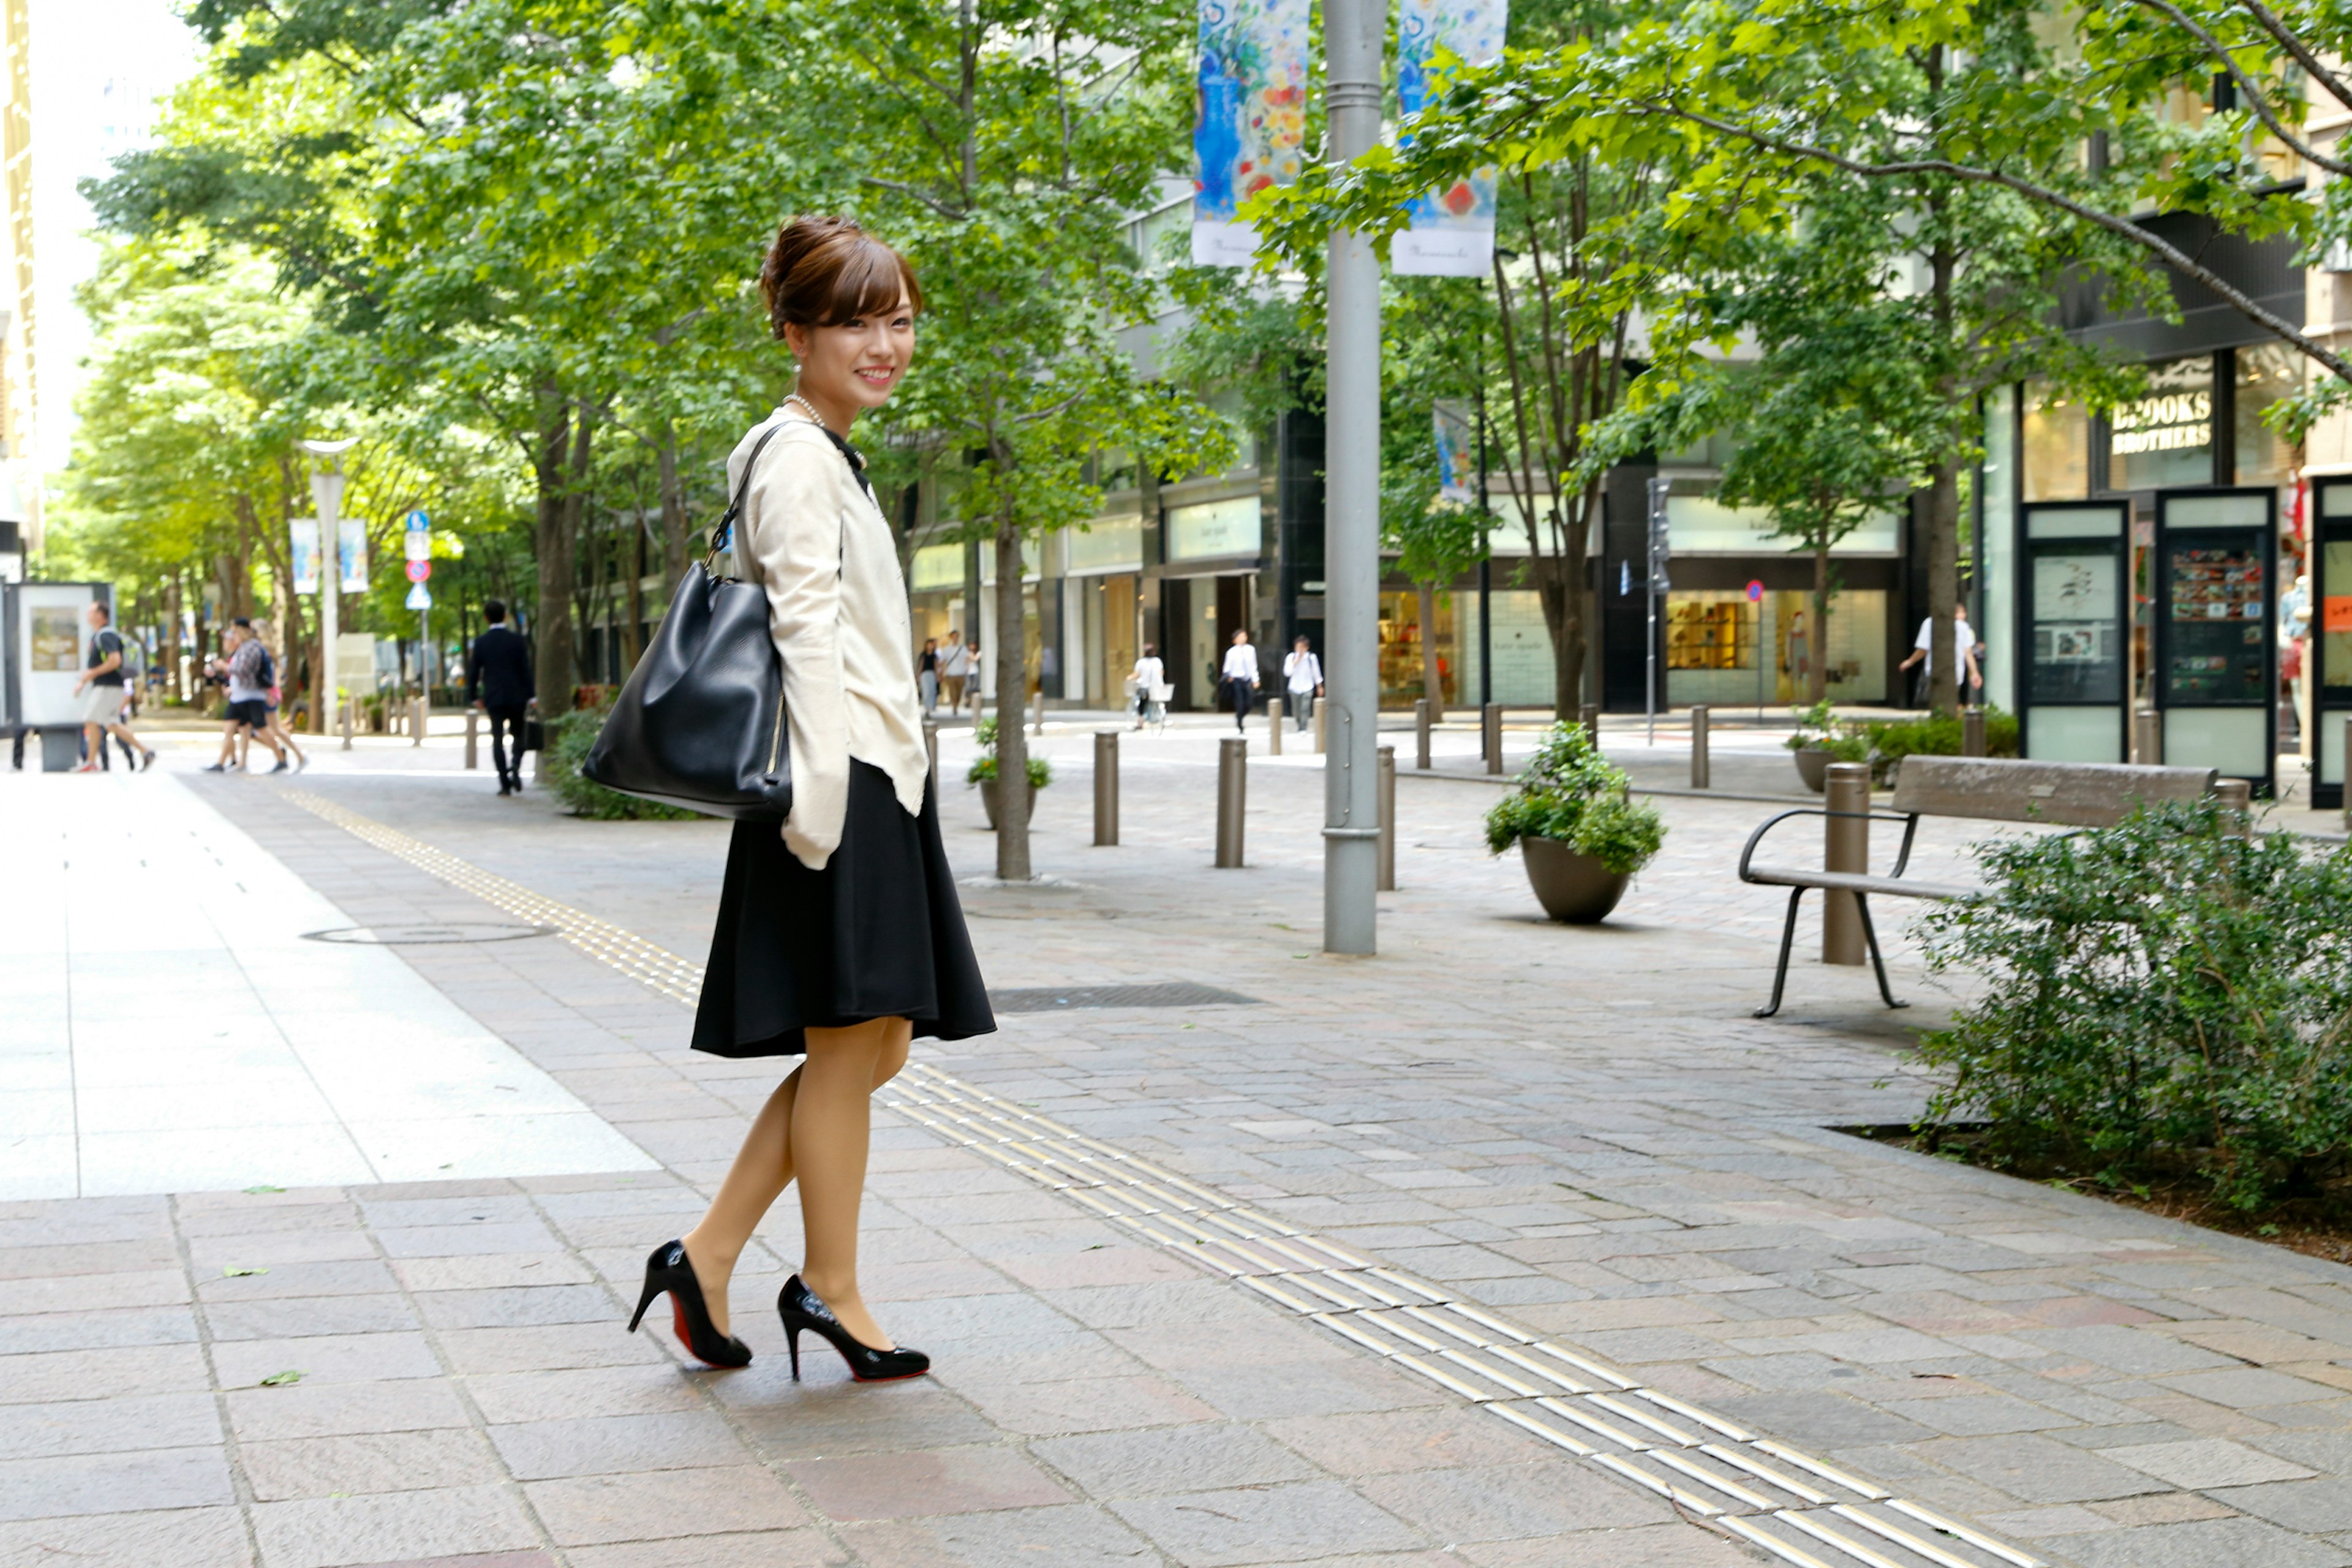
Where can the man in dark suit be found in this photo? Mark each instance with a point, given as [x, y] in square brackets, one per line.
[498, 682]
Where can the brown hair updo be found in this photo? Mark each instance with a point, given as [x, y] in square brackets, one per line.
[828, 272]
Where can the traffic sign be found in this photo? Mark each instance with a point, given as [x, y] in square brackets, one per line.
[418, 546]
[419, 570]
[1755, 592]
[420, 598]
[419, 522]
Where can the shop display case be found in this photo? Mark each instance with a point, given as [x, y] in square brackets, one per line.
[2074, 633]
[2216, 644]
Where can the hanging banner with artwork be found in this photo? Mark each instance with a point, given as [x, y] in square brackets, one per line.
[1457, 454]
[1252, 129]
[302, 536]
[1452, 230]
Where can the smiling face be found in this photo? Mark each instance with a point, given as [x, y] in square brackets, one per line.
[855, 367]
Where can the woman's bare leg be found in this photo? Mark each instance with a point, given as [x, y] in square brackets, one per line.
[763, 1168]
[831, 1126]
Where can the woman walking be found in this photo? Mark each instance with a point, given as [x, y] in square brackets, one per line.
[839, 938]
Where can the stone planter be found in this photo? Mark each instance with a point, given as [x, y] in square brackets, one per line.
[1574, 889]
[988, 802]
[1813, 766]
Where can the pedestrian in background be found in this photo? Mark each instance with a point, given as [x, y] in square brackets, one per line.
[840, 937]
[100, 691]
[1302, 676]
[955, 665]
[927, 676]
[1240, 677]
[272, 700]
[243, 666]
[1150, 676]
[498, 681]
[1964, 638]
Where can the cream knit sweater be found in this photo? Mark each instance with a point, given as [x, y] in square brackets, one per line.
[837, 609]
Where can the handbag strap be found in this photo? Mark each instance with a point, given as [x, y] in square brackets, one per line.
[724, 529]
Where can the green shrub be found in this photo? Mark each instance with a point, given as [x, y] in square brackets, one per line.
[1040, 773]
[1571, 793]
[2161, 997]
[1889, 741]
[569, 738]
[1819, 728]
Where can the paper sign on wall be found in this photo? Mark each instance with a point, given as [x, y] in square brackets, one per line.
[1452, 230]
[1251, 130]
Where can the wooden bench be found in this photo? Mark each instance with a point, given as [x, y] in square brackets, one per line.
[1979, 789]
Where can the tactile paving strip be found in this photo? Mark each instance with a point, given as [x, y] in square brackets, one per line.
[1778, 1498]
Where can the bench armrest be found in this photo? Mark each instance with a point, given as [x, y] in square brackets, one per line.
[1910, 825]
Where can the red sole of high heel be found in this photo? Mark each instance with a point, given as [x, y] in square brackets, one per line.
[902, 1377]
[684, 1340]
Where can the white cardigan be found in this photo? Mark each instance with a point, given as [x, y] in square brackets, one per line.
[837, 608]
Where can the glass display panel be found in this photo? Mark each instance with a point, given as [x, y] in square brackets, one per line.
[2057, 447]
[2213, 645]
[2266, 372]
[2166, 436]
[2076, 653]
[2335, 613]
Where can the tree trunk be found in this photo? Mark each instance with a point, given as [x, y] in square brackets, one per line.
[1560, 586]
[553, 531]
[633, 596]
[1943, 585]
[1012, 701]
[1432, 684]
[675, 551]
[1817, 663]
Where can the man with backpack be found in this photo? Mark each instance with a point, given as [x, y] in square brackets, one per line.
[246, 666]
[100, 689]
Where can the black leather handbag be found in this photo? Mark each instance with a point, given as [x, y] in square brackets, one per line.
[700, 722]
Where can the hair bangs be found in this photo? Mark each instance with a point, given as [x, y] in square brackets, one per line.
[871, 280]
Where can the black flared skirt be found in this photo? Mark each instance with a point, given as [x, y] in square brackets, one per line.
[878, 933]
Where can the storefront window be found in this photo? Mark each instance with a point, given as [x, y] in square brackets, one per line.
[1401, 637]
[1853, 662]
[2057, 447]
[2265, 375]
[2165, 436]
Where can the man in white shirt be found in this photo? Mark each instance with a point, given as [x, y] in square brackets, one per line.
[1964, 637]
[955, 663]
[1302, 674]
[1240, 677]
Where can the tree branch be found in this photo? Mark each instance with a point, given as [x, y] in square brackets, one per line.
[2261, 107]
[913, 193]
[2303, 53]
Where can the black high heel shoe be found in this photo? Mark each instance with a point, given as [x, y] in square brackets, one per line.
[802, 1308]
[669, 1269]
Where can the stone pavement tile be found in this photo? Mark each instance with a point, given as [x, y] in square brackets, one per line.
[1445, 1437]
[504, 1308]
[2033, 1469]
[1070, 1536]
[1084, 1405]
[326, 1358]
[2248, 1388]
[54, 1375]
[1977, 1414]
[360, 1278]
[839, 1417]
[336, 1409]
[1268, 1391]
[88, 1257]
[613, 1445]
[114, 1483]
[768, 1549]
[94, 1292]
[367, 1462]
[329, 1532]
[2313, 1507]
[476, 1560]
[98, 1331]
[1511, 1502]
[2066, 1519]
[665, 1504]
[2205, 1462]
[1822, 1420]
[2205, 1543]
[108, 1426]
[176, 1538]
[489, 1272]
[1644, 1546]
[553, 1395]
[1204, 1457]
[308, 1316]
[1299, 1523]
[276, 1249]
[920, 1482]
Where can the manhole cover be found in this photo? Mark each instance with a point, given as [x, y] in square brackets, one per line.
[1067, 998]
[416, 935]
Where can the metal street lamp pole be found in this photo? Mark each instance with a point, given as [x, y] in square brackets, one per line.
[327, 494]
[1353, 31]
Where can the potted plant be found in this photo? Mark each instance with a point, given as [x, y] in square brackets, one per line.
[1822, 739]
[1581, 835]
[982, 773]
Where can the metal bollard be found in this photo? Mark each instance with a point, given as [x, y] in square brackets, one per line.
[1490, 736]
[1590, 717]
[1701, 764]
[1320, 705]
[351, 712]
[472, 740]
[1038, 725]
[2236, 799]
[1845, 846]
[1232, 798]
[2147, 738]
[1420, 733]
[1972, 732]
[931, 748]
[1387, 883]
[1273, 725]
[1106, 786]
[417, 714]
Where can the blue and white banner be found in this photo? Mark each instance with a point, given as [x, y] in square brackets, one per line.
[1453, 231]
[1252, 127]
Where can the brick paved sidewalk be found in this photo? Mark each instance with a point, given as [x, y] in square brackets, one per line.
[1582, 1130]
